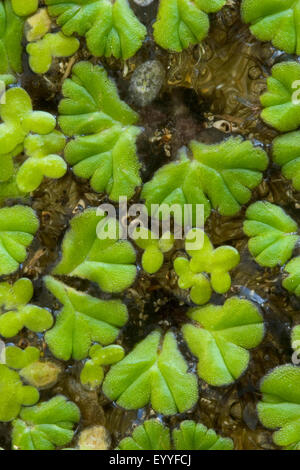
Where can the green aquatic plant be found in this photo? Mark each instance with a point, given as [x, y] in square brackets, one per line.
[110, 26]
[280, 405]
[104, 148]
[154, 249]
[14, 394]
[181, 23]
[41, 52]
[34, 371]
[25, 8]
[92, 373]
[82, 320]
[196, 436]
[275, 21]
[11, 32]
[286, 153]
[45, 426]
[18, 225]
[153, 435]
[292, 281]
[273, 234]
[220, 338]
[16, 312]
[280, 101]
[43, 160]
[19, 120]
[154, 372]
[219, 176]
[89, 252]
[193, 273]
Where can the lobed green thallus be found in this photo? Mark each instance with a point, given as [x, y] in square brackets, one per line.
[281, 100]
[220, 337]
[153, 435]
[31, 132]
[104, 145]
[11, 33]
[181, 23]
[219, 176]
[274, 20]
[193, 273]
[280, 405]
[109, 26]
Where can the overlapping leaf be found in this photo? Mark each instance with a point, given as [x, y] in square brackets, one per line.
[205, 260]
[181, 23]
[273, 234]
[34, 371]
[16, 312]
[82, 320]
[110, 27]
[18, 225]
[45, 426]
[225, 173]
[276, 21]
[104, 149]
[92, 373]
[221, 337]
[281, 100]
[280, 405]
[51, 45]
[292, 281]
[92, 253]
[153, 373]
[11, 31]
[24, 8]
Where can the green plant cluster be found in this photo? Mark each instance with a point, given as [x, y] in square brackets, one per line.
[11, 33]
[193, 273]
[104, 145]
[32, 133]
[153, 435]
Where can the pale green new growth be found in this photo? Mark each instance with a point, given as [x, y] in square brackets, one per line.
[25, 7]
[51, 45]
[104, 149]
[196, 436]
[82, 320]
[193, 274]
[110, 26]
[219, 176]
[181, 23]
[154, 372]
[18, 225]
[153, 435]
[292, 282]
[286, 153]
[220, 338]
[273, 234]
[154, 249]
[11, 31]
[16, 312]
[280, 405]
[92, 373]
[36, 26]
[35, 372]
[281, 101]
[42, 160]
[14, 394]
[92, 250]
[45, 426]
[274, 20]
